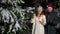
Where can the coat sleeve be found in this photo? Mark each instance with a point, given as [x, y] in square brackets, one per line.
[55, 21]
[44, 20]
[34, 24]
[33, 19]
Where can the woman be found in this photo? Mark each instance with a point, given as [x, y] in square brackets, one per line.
[38, 20]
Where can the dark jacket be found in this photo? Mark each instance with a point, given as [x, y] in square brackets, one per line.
[51, 19]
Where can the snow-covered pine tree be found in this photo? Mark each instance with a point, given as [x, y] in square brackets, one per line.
[13, 18]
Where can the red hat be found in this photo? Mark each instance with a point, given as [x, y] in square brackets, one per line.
[49, 5]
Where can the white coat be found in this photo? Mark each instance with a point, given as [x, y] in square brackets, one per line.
[38, 27]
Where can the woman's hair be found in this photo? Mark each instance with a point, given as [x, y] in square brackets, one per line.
[36, 10]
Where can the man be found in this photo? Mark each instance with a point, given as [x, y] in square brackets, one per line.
[51, 18]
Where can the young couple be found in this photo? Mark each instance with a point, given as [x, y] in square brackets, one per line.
[39, 20]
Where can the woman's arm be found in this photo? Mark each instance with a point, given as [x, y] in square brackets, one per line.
[33, 19]
[44, 20]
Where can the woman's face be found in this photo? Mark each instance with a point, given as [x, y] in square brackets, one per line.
[39, 11]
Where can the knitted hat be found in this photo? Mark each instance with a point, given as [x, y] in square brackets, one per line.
[49, 5]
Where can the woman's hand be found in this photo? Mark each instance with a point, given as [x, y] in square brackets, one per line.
[40, 20]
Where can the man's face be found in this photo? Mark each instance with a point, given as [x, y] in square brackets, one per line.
[49, 9]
